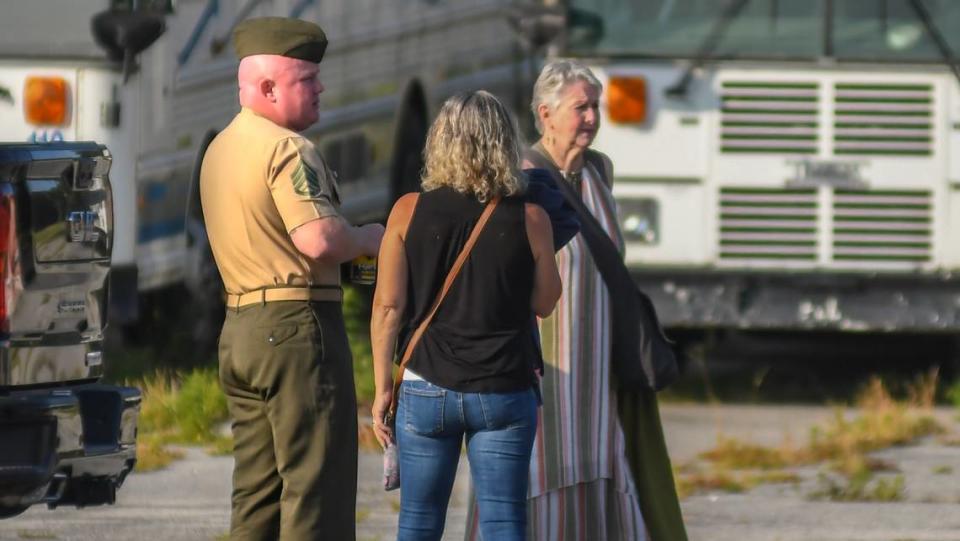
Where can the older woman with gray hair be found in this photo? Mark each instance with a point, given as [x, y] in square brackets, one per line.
[600, 468]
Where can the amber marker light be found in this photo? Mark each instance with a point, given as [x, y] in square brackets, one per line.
[45, 100]
[627, 99]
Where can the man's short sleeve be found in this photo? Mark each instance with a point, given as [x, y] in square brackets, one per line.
[302, 186]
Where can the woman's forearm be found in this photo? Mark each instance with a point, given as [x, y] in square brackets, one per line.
[384, 327]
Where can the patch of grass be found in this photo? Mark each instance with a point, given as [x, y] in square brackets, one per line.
[734, 454]
[727, 480]
[357, 303]
[36, 534]
[183, 409]
[152, 454]
[843, 443]
[863, 486]
[362, 514]
[942, 470]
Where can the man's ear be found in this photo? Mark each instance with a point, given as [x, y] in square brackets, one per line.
[266, 89]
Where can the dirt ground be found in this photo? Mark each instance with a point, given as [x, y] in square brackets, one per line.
[189, 501]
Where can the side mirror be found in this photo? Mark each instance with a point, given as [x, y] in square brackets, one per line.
[537, 26]
[124, 35]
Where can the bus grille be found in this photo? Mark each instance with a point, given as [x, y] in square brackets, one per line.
[881, 225]
[768, 224]
[775, 117]
[890, 119]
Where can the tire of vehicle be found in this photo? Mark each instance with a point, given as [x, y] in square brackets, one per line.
[10, 512]
[410, 138]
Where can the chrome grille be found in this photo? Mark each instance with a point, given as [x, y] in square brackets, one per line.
[888, 225]
[890, 119]
[768, 224]
[777, 117]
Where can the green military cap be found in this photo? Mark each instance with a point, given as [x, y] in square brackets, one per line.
[284, 36]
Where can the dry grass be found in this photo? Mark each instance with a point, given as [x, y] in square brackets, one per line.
[183, 409]
[843, 443]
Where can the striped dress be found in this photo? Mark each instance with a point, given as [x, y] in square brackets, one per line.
[581, 488]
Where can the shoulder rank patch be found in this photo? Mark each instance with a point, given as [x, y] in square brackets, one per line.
[305, 181]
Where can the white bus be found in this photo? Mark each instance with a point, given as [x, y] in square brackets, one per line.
[783, 164]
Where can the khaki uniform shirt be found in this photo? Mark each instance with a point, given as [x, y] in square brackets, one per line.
[259, 182]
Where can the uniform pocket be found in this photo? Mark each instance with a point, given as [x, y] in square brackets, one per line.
[422, 408]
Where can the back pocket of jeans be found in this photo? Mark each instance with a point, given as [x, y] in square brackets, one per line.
[422, 410]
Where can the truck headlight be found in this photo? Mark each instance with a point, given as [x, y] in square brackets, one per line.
[639, 220]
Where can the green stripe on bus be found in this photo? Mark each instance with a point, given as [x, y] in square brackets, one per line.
[883, 100]
[762, 124]
[897, 232]
[884, 138]
[862, 86]
[851, 257]
[748, 84]
[766, 191]
[893, 152]
[881, 125]
[734, 242]
[802, 99]
[764, 204]
[860, 112]
[882, 192]
[778, 150]
[885, 219]
[758, 229]
[882, 206]
[741, 255]
[773, 111]
[766, 137]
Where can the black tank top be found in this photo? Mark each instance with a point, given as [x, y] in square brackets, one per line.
[481, 339]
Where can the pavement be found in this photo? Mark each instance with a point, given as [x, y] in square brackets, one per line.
[189, 501]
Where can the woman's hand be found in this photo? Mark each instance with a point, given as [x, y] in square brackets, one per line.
[381, 429]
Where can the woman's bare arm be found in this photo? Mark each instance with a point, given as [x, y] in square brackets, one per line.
[389, 302]
[546, 279]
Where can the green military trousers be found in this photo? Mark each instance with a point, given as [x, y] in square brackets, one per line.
[287, 372]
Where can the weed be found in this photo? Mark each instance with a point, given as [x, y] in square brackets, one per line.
[36, 534]
[180, 409]
[858, 488]
[733, 454]
[362, 514]
[152, 454]
[729, 481]
[942, 470]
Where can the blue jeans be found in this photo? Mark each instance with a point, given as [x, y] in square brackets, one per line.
[499, 429]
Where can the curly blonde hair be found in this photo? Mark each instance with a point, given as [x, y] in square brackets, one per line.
[473, 147]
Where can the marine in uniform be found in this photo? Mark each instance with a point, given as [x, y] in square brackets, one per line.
[271, 207]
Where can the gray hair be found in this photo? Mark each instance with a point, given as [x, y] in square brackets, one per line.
[473, 147]
[553, 79]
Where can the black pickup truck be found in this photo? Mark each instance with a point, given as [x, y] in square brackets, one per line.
[65, 438]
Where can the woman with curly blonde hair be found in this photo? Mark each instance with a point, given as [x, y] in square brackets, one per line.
[471, 375]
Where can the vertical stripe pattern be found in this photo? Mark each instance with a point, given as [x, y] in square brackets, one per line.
[581, 488]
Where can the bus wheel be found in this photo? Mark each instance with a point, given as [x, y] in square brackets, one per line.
[408, 161]
[201, 277]
[11, 511]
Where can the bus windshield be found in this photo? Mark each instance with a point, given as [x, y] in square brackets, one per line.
[869, 30]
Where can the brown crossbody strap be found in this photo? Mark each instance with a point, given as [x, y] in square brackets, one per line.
[454, 271]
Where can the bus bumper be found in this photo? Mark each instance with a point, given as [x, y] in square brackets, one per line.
[840, 302]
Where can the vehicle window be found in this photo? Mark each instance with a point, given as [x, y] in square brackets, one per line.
[891, 29]
[678, 28]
